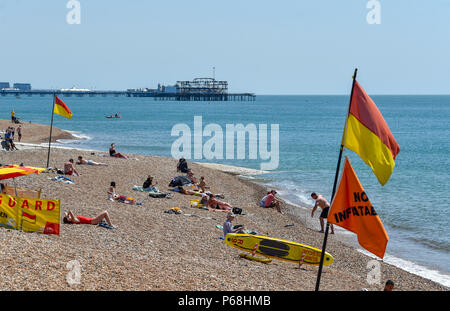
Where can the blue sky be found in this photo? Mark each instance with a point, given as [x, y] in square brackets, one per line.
[266, 47]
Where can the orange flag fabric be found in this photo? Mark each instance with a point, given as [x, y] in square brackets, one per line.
[368, 135]
[62, 109]
[352, 210]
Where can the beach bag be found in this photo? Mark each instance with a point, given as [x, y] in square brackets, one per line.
[157, 195]
[195, 203]
[237, 210]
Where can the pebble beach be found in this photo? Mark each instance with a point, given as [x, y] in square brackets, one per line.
[158, 251]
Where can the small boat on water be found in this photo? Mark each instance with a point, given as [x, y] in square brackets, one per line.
[116, 116]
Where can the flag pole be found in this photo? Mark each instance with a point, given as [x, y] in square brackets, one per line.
[51, 127]
[322, 255]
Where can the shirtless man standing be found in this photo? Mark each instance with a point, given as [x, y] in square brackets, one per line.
[325, 206]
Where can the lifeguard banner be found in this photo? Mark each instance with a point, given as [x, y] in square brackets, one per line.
[352, 210]
[37, 215]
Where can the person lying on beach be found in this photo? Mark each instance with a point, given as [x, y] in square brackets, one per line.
[215, 204]
[271, 201]
[113, 153]
[325, 206]
[187, 191]
[69, 218]
[89, 162]
[69, 169]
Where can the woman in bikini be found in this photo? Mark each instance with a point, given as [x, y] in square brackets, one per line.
[215, 204]
[69, 218]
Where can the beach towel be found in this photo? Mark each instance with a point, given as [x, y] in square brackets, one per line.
[149, 189]
[63, 179]
[238, 226]
[159, 195]
[104, 224]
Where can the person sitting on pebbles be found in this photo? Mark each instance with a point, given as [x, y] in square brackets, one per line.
[69, 169]
[228, 226]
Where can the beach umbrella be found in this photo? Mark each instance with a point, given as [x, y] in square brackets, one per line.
[13, 171]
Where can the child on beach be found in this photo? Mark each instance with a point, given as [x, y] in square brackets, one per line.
[112, 196]
[202, 184]
[112, 192]
[69, 218]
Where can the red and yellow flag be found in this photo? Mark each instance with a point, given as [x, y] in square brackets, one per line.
[352, 210]
[367, 134]
[62, 109]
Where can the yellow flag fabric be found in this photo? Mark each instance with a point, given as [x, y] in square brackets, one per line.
[62, 109]
[36, 215]
[368, 135]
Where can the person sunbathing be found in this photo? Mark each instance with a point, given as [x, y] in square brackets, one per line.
[187, 191]
[215, 204]
[113, 153]
[89, 162]
[69, 218]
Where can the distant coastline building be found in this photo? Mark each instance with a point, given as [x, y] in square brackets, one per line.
[22, 86]
[4, 85]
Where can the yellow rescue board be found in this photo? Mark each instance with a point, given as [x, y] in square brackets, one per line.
[250, 257]
[277, 248]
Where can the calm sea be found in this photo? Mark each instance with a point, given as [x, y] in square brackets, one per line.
[413, 205]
